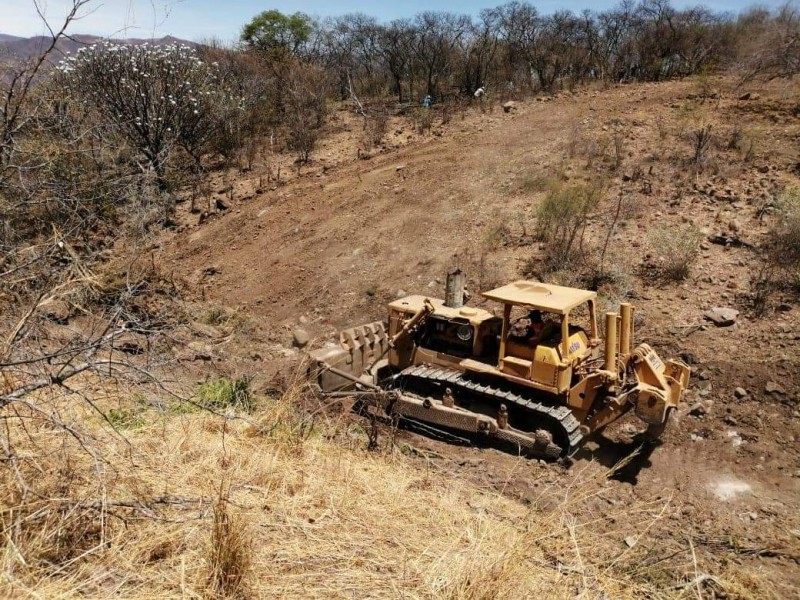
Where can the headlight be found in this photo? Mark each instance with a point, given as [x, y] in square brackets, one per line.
[464, 333]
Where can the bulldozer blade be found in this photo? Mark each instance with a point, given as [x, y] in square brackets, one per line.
[347, 364]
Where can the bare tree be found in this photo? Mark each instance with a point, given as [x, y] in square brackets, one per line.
[771, 46]
[438, 37]
[306, 92]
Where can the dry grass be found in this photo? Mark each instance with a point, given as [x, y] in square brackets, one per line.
[196, 506]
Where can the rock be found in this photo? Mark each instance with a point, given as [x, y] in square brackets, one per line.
[300, 338]
[749, 96]
[57, 311]
[401, 293]
[399, 168]
[206, 330]
[774, 388]
[200, 351]
[220, 204]
[735, 438]
[740, 392]
[701, 409]
[630, 541]
[509, 106]
[722, 317]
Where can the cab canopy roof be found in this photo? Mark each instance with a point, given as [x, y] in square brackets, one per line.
[543, 296]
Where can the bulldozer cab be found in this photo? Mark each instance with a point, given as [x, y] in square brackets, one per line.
[545, 355]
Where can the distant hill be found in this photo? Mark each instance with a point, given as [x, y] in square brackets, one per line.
[22, 48]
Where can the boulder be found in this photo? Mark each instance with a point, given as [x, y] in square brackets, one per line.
[300, 338]
[56, 310]
[722, 317]
[774, 388]
[509, 106]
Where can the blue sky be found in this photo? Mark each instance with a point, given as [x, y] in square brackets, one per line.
[222, 19]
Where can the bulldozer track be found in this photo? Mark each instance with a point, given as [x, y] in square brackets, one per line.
[559, 420]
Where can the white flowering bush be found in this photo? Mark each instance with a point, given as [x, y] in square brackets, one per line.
[159, 97]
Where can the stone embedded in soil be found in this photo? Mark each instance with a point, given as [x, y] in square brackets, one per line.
[774, 388]
[56, 310]
[509, 106]
[300, 338]
[722, 317]
[740, 392]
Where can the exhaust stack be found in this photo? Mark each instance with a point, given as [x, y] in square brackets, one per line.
[626, 328]
[611, 343]
[454, 288]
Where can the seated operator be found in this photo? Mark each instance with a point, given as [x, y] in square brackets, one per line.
[535, 327]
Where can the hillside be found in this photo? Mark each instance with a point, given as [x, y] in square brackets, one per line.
[277, 505]
[328, 248]
[24, 48]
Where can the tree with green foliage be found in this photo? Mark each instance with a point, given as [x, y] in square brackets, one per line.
[276, 32]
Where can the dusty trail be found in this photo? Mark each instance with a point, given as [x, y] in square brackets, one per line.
[395, 218]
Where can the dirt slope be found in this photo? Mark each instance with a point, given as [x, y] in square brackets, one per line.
[328, 248]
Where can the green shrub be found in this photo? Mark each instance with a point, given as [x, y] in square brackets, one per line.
[225, 393]
[674, 250]
[122, 418]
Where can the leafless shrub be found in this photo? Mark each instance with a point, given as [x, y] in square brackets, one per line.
[376, 123]
[422, 118]
[780, 255]
[305, 108]
[575, 141]
[619, 150]
[744, 142]
[673, 251]
[770, 48]
[229, 554]
[764, 284]
[701, 143]
[561, 221]
[662, 127]
[534, 182]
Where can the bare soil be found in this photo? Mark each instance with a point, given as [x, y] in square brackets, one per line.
[326, 247]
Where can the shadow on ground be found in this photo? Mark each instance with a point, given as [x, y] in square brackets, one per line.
[626, 458]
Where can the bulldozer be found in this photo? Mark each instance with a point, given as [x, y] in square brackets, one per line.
[544, 388]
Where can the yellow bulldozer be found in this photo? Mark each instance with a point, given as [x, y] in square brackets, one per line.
[537, 375]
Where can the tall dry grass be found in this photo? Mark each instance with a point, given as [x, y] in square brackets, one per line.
[192, 505]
